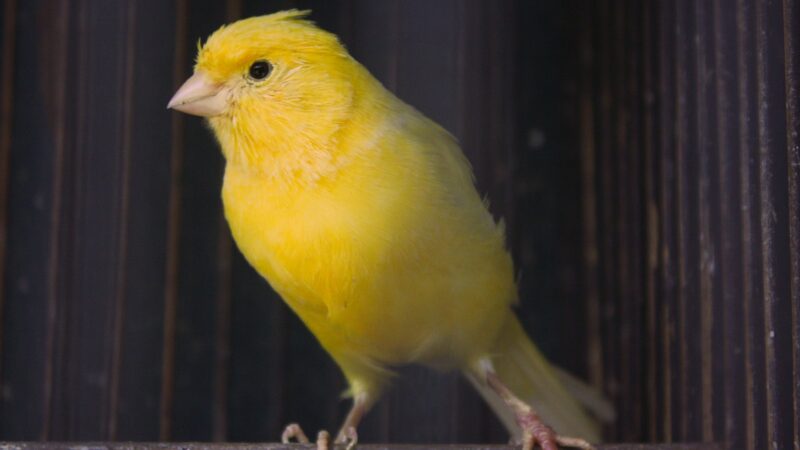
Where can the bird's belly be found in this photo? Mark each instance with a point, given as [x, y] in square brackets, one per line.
[421, 296]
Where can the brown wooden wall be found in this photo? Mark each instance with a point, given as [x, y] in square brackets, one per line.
[691, 183]
[644, 154]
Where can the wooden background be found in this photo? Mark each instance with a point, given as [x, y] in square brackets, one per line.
[644, 154]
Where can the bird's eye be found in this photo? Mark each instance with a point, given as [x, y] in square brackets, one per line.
[260, 69]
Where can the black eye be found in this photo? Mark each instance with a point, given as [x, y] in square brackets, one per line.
[260, 69]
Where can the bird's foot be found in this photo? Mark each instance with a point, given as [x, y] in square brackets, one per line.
[294, 431]
[348, 436]
[535, 431]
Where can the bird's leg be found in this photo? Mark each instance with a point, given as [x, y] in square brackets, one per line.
[534, 430]
[347, 433]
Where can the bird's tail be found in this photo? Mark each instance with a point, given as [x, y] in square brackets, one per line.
[565, 403]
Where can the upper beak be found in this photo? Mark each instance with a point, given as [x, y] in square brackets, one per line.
[200, 96]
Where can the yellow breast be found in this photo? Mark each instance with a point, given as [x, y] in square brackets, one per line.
[387, 257]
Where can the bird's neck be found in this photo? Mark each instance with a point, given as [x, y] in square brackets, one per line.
[302, 146]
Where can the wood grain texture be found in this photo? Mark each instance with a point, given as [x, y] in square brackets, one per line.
[200, 446]
[644, 156]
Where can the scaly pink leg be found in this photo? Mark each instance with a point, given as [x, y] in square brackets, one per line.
[534, 430]
[347, 433]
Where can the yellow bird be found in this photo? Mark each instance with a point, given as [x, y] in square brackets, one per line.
[362, 214]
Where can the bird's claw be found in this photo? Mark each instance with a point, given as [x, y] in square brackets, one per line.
[348, 436]
[582, 444]
[293, 431]
[323, 440]
[535, 431]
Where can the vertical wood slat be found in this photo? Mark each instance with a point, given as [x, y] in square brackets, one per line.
[708, 200]
[634, 297]
[718, 194]
[172, 260]
[667, 211]
[7, 40]
[589, 201]
[605, 188]
[26, 289]
[637, 215]
[56, 327]
[751, 258]
[791, 36]
[93, 219]
[128, 18]
[150, 68]
[774, 219]
[619, 225]
[687, 225]
[730, 251]
[653, 372]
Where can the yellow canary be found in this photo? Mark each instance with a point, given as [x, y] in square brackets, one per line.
[362, 214]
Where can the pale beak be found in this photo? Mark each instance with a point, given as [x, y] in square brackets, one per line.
[200, 96]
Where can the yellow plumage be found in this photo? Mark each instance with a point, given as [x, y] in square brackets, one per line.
[362, 214]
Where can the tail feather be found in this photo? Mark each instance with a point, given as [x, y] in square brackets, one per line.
[523, 368]
[588, 396]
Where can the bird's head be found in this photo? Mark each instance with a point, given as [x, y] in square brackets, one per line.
[270, 85]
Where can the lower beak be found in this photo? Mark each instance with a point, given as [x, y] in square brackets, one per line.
[200, 96]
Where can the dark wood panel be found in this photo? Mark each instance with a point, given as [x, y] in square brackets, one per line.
[30, 225]
[791, 36]
[7, 47]
[688, 256]
[607, 207]
[95, 213]
[751, 236]
[654, 375]
[727, 162]
[773, 178]
[173, 226]
[140, 351]
[709, 217]
[667, 210]
[730, 268]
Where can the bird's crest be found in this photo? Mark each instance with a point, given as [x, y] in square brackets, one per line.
[292, 15]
